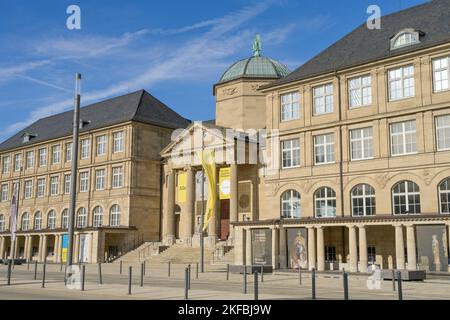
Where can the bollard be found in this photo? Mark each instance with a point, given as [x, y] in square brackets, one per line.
[262, 273]
[28, 265]
[300, 275]
[168, 269]
[44, 266]
[65, 275]
[255, 290]
[35, 270]
[83, 276]
[100, 279]
[228, 271]
[142, 274]
[144, 268]
[399, 285]
[9, 272]
[60, 266]
[189, 277]
[186, 284]
[245, 279]
[345, 277]
[130, 271]
[196, 271]
[393, 280]
[313, 283]
[120, 266]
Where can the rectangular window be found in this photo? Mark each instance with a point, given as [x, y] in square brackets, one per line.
[441, 72]
[40, 188]
[117, 181]
[101, 145]
[5, 192]
[42, 157]
[330, 254]
[69, 150]
[290, 153]
[100, 179]
[403, 138]
[323, 99]
[67, 181]
[84, 181]
[401, 83]
[443, 132]
[17, 162]
[6, 164]
[290, 108]
[85, 146]
[324, 148]
[28, 189]
[118, 142]
[361, 144]
[360, 91]
[30, 159]
[56, 154]
[54, 186]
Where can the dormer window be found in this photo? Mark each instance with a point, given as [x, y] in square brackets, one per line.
[404, 38]
[26, 137]
[84, 123]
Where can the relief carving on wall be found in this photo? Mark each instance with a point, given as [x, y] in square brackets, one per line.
[427, 176]
[255, 87]
[306, 185]
[229, 91]
[274, 188]
[382, 179]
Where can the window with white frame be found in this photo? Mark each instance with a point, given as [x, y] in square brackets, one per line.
[363, 200]
[101, 145]
[100, 179]
[40, 187]
[51, 220]
[84, 181]
[25, 224]
[37, 221]
[441, 72]
[6, 164]
[323, 99]
[324, 148]
[117, 179]
[67, 178]
[360, 91]
[42, 157]
[443, 132]
[405, 38]
[118, 145]
[5, 192]
[290, 204]
[403, 138]
[65, 219]
[290, 153]
[82, 218]
[115, 216]
[30, 159]
[56, 154]
[97, 217]
[17, 162]
[85, 147]
[406, 197]
[444, 196]
[2, 223]
[54, 186]
[325, 202]
[401, 83]
[290, 107]
[361, 144]
[69, 150]
[28, 189]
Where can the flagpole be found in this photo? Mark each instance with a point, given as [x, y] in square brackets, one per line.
[16, 211]
[202, 238]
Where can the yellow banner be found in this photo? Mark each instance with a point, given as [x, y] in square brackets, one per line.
[224, 183]
[209, 165]
[182, 185]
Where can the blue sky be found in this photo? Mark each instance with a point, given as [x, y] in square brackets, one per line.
[176, 50]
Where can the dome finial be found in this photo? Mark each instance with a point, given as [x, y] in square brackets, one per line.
[257, 46]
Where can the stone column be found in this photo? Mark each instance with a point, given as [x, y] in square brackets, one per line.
[311, 248]
[190, 205]
[352, 248]
[29, 254]
[320, 250]
[44, 247]
[274, 248]
[170, 212]
[40, 254]
[56, 248]
[363, 260]
[248, 247]
[2, 247]
[76, 248]
[411, 247]
[233, 197]
[212, 227]
[25, 247]
[399, 247]
[17, 247]
[282, 249]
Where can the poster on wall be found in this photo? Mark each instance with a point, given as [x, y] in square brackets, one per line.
[297, 247]
[84, 247]
[182, 186]
[224, 183]
[64, 246]
[432, 248]
[198, 186]
[262, 246]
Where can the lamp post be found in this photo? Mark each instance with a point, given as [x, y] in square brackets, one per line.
[202, 216]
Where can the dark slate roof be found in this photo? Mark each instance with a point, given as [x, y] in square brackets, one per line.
[138, 106]
[362, 45]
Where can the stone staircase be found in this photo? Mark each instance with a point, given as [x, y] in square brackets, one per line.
[143, 252]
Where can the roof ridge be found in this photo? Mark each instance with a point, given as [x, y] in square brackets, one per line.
[139, 103]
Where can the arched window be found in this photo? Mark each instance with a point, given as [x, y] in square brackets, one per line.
[405, 38]
[406, 197]
[51, 220]
[81, 218]
[65, 219]
[444, 195]
[25, 224]
[97, 217]
[2, 222]
[325, 202]
[38, 221]
[290, 204]
[363, 200]
[115, 216]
